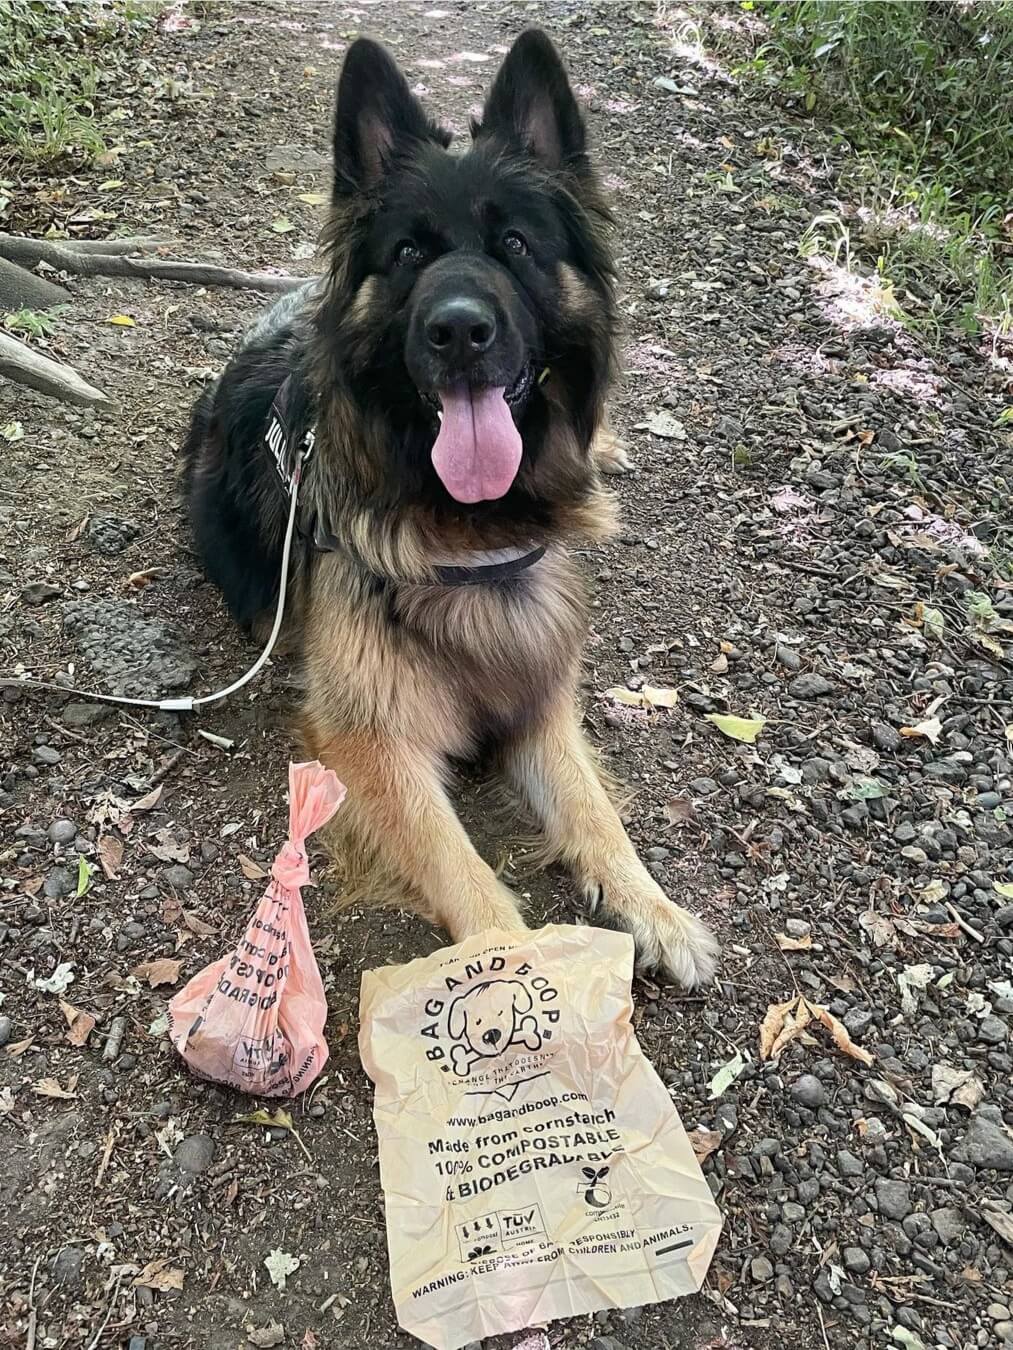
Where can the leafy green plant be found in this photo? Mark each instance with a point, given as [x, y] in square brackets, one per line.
[921, 93]
[31, 322]
[51, 74]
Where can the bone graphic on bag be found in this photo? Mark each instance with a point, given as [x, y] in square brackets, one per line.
[533, 1164]
[255, 1019]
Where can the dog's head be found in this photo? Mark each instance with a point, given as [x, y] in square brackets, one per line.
[470, 299]
[485, 1018]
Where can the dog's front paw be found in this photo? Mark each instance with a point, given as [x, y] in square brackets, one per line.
[611, 454]
[668, 939]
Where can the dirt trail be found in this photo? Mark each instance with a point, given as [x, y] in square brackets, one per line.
[817, 532]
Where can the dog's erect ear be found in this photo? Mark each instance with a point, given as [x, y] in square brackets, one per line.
[521, 997]
[532, 106]
[377, 117]
[457, 1019]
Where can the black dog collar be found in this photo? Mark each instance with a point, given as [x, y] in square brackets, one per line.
[289, 440]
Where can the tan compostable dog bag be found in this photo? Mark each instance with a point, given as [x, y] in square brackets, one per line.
[533, 1164]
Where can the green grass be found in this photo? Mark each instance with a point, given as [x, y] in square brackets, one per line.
[921, 92]
[54, 61]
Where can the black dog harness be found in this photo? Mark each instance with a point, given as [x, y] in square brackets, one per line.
[290, 440]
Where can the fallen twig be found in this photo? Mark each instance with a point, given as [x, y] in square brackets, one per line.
[962, 923]
[114, 1041]
[107, 1153]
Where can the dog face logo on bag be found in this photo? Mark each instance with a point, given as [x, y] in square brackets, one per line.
[489, 1014]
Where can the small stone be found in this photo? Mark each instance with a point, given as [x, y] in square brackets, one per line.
[894, 1198]
[855, 816]
[885, 737]
[810, 686]
[781, 1239]
[986, 1142]
[137, 1343]
[85, 714]
[761, 1269]
[857, 1020]
[5, 1030]
[1004, 916]
[62, 831]
[67, 1267]
[998, 1312]
[948, 1223]
[194, 1154]
[39, 592]
[856, 1261]
[177, 876]
[657, 853]
[809, 1092]
[703, 787]
[792, 1213]
[848, 1165]
[905, 833]
[787, 658]
[992, 1030]
[47, 755]
[60, 882]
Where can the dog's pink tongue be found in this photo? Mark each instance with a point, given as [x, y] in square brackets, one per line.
[478, 451]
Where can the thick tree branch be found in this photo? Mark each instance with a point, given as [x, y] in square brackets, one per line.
[20, 363]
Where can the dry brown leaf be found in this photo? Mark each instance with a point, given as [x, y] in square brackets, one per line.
[929, 730]
[844, 983]
[33, 885]
[76, 531]
[773, 1026]
[252, 871]
[266, 1337]
[162, 971]
[1000, 1221]
[790, 944]
[159, 1275]
[80, 1023]
[197, 925]
[137, 581]
[149, 800]
[680, 811]
[841, 1038]
[110, 855]
[879, 928]
[785, 1022]
[720, 664]
[49, 1087]
[705, 1142]
[309, 1341]
[19, 1047]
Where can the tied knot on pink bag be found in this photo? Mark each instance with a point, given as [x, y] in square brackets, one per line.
[255, 1019]
[291, 868]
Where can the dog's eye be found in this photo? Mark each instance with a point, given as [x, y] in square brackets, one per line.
[408, 254]
[515, 243]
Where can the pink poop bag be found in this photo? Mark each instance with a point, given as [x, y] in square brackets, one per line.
[255, 1019]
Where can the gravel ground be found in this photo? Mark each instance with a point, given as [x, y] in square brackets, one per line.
[817, 534]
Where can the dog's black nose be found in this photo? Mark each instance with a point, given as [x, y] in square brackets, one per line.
[461, 328]
[492, 1035]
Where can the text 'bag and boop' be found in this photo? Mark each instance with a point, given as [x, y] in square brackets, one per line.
[533, 1164]
[255, 1019]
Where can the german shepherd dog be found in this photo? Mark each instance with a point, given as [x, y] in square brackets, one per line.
[456, 356]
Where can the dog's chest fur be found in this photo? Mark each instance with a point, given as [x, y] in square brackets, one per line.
[457, 666]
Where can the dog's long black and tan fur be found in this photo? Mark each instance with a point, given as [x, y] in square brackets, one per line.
[458, 352]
